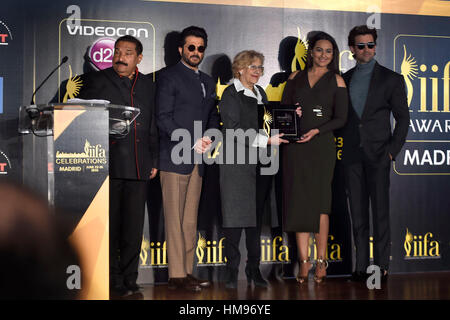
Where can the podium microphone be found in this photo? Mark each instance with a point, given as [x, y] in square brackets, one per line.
[64, 60]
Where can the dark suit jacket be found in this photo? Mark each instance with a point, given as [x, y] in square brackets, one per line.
[126, 161]
[373, 132]
[180, 102]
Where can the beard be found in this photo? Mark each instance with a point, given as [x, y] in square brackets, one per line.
[364, 58]
[189, 62]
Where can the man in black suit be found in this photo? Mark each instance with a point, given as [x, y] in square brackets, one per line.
[133, 159]
[370, 146]
[184, 95]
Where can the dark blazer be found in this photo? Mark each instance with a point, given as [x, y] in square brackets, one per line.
[126, 162]
[373, 132]
[180, 102]
[237, 180]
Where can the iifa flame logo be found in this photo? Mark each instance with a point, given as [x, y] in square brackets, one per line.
[209, 252]
[90, 151]
[410, 71]
[298, 63]
[425, 67]
[73, 86]
[153, 254]
[418, 246]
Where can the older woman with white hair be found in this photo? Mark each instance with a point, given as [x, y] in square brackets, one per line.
[243, 189]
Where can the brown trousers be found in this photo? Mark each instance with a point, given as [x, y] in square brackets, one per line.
[181, 195]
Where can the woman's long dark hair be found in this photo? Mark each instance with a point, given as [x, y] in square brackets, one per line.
[334, 64]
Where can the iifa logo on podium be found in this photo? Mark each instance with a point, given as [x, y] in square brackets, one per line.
[421, 246]
[93, 159]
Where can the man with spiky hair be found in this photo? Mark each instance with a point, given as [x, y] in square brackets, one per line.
[370, 146]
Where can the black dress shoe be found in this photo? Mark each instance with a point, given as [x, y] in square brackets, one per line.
[119, 291]
[176, 283]
[358, 276]
[133, 287]
[199, 282]
[254, 274]
[183, 283]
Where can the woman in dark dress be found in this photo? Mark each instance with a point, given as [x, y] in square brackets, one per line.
[243, 189]
[308, 164]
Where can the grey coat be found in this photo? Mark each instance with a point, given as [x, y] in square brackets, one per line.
[238, 181]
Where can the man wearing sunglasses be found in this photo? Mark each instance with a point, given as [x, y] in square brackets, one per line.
[370, 145]
[184, 95]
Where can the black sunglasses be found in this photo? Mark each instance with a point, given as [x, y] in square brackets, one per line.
[362, 45]
[192, 48]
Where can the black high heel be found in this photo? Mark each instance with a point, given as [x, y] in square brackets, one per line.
[254, 274]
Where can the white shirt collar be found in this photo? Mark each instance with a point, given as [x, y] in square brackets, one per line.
[247, 92]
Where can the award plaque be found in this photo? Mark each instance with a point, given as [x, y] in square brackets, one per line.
[286, 120]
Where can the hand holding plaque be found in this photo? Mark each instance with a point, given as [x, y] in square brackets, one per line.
[287, 121]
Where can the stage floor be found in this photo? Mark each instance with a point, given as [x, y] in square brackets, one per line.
[413, 286]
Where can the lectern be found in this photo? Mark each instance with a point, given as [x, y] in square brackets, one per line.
[66, 159]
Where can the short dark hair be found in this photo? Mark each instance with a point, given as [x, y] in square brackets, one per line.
[128, 38]
[193, 31]
[320, 35]
[359, 31]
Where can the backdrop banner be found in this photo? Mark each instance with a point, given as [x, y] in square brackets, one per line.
[413, 39]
